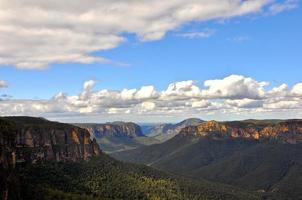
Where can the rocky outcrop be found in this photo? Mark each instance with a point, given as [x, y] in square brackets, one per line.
[36, 139]
[289, 131]
[116, 129]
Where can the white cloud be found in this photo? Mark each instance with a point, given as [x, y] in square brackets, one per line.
[234, 95]
[283, 6]
[234, 87]
[202, 34]
[3, 84]
[35, 33]
[240, 39]
[297, 89]
[184, 89]
[146, 92]
[200, 104]
[128, 94]
[279, 91]
[88, 85]
[148, 105]
[245, 103]
[289, 104]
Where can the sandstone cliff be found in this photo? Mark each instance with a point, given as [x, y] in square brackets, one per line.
[116, 129]
[289, 131]
[36, 139]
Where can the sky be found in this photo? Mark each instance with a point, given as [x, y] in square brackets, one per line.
[102, 61]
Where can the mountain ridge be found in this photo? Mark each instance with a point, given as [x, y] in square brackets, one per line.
[289, 131]
[118, 129]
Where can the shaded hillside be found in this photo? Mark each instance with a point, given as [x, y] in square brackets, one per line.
[106, 178]
[164, 132]
[118, 136]
[260, 156]
[267, 167]
[183, 153]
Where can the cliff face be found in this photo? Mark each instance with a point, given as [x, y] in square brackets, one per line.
[289, 131]
[37, 139]
[116, 129]
[65, 143]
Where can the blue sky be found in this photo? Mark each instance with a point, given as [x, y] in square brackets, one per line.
[263, 46]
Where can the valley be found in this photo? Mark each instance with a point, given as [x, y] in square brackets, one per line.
[263, 156]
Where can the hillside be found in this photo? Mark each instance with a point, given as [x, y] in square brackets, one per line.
[166, 131]
[259, 156]
[118, 136]
[106, 178]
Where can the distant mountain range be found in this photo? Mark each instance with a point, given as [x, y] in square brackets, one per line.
[166, 131]
[258, 155]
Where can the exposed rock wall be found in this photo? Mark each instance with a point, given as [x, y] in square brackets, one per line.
[289, 131]
[66, 143]
[45, 140]
[116, 129]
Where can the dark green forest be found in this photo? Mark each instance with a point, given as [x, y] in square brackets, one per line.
[106, 178]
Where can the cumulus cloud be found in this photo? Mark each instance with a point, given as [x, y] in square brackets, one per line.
[71, 31]
[201, 104]
[284, 104]
[148, 105]
[146, 92]
[245, 103]
[279, 91]
[234, 94]
[297, 89]
[234, 87]
[184, 89]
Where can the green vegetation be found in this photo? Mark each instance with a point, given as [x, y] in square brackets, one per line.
[106, 178]
[111, 144]
[270, 167]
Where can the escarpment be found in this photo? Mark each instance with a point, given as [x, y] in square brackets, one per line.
[116, 129]
[289, 131]
[35, 139]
